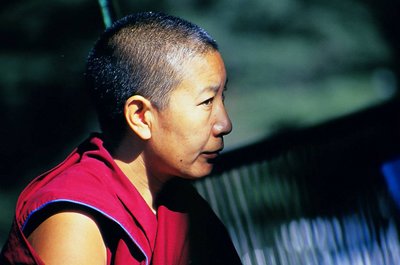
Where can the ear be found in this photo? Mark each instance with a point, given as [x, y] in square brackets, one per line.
[138, 114]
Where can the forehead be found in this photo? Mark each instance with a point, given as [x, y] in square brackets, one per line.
[202, 72]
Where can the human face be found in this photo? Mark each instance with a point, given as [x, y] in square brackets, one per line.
[187, 135]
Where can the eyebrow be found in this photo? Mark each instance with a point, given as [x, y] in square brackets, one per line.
[214, 88]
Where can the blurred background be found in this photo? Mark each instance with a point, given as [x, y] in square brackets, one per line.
[313, 95]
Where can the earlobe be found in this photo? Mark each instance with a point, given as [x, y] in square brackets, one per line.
[138, 116]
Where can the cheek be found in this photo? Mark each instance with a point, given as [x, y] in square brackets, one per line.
[196, 139]
[185, 134]
[191, 130]
[188, 149]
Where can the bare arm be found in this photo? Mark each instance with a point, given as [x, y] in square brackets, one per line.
[69, 238]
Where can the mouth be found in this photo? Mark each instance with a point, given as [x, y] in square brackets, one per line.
[212, 155]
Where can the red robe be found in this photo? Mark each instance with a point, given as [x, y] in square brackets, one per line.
[184, 231]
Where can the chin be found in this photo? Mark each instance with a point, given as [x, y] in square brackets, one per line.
[203, 173]
[198, 169]
[198, 173]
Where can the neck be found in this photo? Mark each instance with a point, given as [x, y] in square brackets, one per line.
[129, 157]
[147, 188]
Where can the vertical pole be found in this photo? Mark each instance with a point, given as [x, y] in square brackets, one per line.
[108, 11]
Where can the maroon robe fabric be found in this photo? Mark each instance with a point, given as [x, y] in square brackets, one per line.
[184, 231]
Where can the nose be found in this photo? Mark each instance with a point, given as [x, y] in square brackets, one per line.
[223, 124]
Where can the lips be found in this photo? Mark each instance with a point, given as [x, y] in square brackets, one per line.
[212, 154]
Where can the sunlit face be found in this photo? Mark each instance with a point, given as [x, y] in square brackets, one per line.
[188, 134]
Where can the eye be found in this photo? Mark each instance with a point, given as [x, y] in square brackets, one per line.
[208, 102]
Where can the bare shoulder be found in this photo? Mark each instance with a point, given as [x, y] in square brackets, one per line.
[69, 238]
